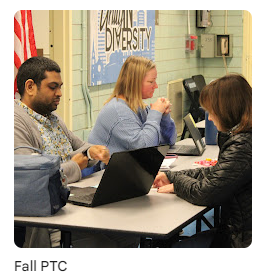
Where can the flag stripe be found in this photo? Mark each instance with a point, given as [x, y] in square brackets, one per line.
[17, 60]
[15, 85]
[33, 50]
[23, 20]
[17, 29]
[24, 41]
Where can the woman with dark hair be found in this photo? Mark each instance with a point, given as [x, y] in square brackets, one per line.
[229, 183]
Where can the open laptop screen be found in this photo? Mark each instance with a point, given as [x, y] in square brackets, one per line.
[194, 132]
[128, 174]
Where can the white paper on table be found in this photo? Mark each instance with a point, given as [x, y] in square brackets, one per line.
[167, 162]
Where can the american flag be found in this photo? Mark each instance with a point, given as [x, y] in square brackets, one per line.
[24, 41]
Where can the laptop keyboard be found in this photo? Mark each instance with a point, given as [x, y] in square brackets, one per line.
[86, 198]
[187, 148]
[84, 194]
[183, 149]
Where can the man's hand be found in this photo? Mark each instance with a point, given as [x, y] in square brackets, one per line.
[81, 159]
[101, 153]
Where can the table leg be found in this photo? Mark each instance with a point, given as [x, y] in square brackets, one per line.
[145, 242]
[216, 216]
[198, 225]
[161, 243]
[215, 223]
[65, 239]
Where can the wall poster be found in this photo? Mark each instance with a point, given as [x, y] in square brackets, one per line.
[113, 35]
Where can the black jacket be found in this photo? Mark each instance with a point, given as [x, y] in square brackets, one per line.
[228, 184]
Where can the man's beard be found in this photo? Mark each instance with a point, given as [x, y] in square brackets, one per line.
[43, 109]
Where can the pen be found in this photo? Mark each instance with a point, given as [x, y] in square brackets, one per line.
[171, 155]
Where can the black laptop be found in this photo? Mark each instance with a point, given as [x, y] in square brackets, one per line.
[128, 174]
[199, 146]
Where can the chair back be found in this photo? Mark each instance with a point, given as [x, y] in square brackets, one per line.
[200, 81]
[193, 93]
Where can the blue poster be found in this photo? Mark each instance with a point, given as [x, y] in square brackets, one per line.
[113, 36]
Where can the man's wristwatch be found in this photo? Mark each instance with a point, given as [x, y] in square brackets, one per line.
[87, 153]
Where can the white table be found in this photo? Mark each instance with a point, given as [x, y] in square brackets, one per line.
[154, 215]
[188, 162]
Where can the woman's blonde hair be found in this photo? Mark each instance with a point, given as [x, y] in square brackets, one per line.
[129, 82]
[230, 99]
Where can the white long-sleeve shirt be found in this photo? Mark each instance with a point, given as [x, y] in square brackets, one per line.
[119, 128]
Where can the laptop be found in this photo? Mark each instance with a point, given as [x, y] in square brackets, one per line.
[128, 174]
[198, 148]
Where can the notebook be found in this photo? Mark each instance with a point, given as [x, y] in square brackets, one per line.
[199, 146]
[128, 174]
